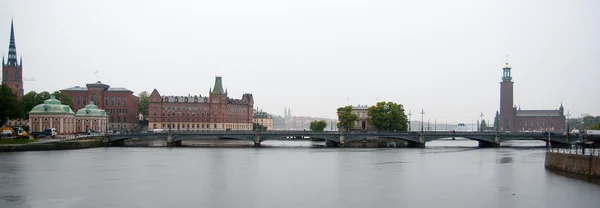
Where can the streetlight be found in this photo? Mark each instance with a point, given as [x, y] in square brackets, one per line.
[422, 113]
[568, 115]
[409, 121]
[481, 116]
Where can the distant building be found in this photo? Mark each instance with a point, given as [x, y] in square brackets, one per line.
[264, 119]
[52, 114]
[512, 119]
[91, 118]
[12, 71]
[120, 104]
[363, 117]
[215, 112]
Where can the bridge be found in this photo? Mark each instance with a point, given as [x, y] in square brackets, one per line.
[413, 139]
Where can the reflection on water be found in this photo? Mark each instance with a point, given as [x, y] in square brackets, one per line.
[444, 174]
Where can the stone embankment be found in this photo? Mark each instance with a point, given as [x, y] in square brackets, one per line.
[585, 167]
[90, 142]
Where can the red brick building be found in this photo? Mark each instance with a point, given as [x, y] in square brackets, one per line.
[512, 119]
[215, 112]
[12, 71]
[120, 104]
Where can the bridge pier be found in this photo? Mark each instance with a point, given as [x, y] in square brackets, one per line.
[342, 140]
[488, 144]
[171, 142]
[415, 145]
[257, 139]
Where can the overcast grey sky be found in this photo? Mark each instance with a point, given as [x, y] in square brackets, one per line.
[316, 55]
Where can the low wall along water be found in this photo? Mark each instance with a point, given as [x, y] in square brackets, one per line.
[582, 165]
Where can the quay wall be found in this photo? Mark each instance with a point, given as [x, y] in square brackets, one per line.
[57, 145]
[584, 165]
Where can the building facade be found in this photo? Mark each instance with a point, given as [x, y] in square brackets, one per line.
[512, 119]
[120, 104]
[362, 111]
[12, 71]
[91, 118]
[264, 119]
[215, 112]
[52, 114]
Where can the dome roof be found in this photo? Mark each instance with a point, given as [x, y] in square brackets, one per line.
[51, 106]
[91, 110]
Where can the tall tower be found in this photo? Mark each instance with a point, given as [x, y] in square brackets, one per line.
[506, 100]
[12, 71]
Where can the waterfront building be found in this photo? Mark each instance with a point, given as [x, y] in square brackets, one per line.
[120, 104]
[52, 114]
[512, 119]
[12, 71]
[264, 119]
[91, 118]
[215, 112]
[362, 111]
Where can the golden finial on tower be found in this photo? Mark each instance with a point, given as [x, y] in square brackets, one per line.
[506, 60]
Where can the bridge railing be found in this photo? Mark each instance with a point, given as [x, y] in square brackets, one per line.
[577, 150]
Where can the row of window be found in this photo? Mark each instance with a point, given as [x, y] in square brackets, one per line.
[117, 111]
[187, 114]
[16, 76]
[200, 126]
[112, 100]
[118, 119]
[538, 124]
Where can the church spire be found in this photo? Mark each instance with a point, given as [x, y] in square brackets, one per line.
[12, 49]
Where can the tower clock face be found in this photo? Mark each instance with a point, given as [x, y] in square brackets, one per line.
[95, 98]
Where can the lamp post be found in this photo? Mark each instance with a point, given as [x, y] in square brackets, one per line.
[409, 121]
[481, 116]
[422, 113]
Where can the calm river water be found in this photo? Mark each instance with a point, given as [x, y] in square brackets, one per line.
[437, 176]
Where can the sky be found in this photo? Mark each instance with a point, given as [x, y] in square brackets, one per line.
[313, 56]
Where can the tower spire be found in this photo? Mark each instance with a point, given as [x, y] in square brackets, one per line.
[12, 49]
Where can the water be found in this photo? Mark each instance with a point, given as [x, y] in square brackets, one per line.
[437, 176]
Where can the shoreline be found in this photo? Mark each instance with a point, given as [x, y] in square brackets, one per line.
[83, 143]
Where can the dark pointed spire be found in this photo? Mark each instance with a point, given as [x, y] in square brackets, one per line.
[21, 60]
[12, 49]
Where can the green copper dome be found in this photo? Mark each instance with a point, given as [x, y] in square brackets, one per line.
[51, 106]
[91, 110]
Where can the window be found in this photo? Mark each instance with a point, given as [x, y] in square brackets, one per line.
[112, 100]
[78, 100]
[16, 76]
[154, 113]
[105, 100]
[124, 100]
[118, 100]
[85, 100]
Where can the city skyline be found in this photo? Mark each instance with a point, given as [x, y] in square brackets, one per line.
[314, 57]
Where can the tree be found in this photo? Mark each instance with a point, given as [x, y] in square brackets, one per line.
[594, 126]
[346, 117]
[9, 105]
[27, 102]
[40, 97]
[65, 99]
[258, 127]
[143, 105]
[318, 126]
[497, 122]
[388, 116]
[483, 126]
